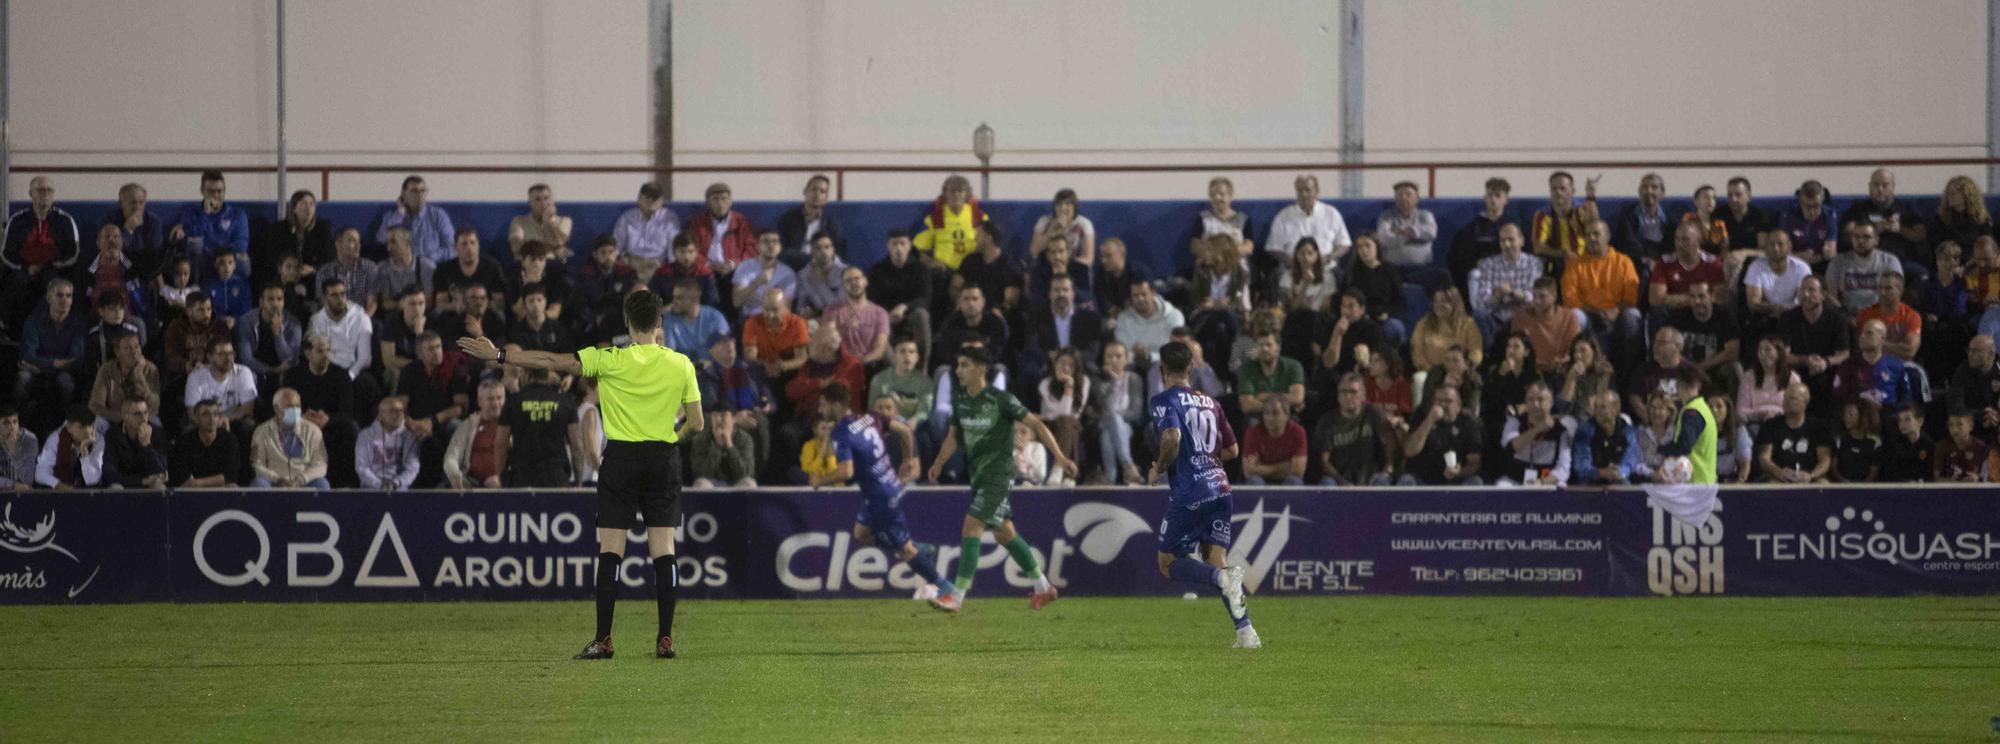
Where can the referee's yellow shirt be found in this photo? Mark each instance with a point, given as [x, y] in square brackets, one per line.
[641, 389]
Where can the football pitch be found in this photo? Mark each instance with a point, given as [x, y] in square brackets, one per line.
[1088, 669]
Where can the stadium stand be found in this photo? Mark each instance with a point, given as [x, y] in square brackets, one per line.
[1932, 356]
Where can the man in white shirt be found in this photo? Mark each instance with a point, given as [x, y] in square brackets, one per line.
[82, 464]
[767, 272]
[351, 332]
[1404, 232]
[541, 224]
[1148, 321]
[232, 386]
[1771, 284]
[1504, 282]
[645, 233]
[1309, 218]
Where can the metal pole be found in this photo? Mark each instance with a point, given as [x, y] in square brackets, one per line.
[660, 38]
[6, 84]
[1992, 94]
[282, 150]
[1352, 123]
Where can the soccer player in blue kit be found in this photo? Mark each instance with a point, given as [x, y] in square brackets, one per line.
[856, 438]
[1195, 438]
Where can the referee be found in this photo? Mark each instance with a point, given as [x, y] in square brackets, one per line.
[640, 387]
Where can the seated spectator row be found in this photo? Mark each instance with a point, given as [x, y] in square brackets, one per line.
[1548, 350]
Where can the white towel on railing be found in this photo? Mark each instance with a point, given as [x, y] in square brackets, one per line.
[1689, 502]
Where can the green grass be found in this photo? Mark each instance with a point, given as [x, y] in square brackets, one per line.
[1152, 670]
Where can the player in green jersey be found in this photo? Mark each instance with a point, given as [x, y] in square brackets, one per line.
[982, 422]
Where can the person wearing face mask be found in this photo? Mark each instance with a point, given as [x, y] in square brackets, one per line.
[288, 451]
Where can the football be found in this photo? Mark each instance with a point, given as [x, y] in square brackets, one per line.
[1676, 470]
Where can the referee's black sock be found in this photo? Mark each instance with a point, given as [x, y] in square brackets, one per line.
[607, 591]
[666, 590]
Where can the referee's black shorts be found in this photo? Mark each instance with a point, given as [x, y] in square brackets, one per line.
[640, 482]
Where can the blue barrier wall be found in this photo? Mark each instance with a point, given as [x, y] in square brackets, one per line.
[227, 546]
[1157, 232]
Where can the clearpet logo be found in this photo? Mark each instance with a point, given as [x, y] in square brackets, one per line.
[1095, 529]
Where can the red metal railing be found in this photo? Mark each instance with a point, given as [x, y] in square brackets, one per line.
[840, 172]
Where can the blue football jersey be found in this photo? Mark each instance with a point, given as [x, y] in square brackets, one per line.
[857, 439]
[1197, 474]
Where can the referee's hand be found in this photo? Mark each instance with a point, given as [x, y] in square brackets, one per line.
[479, 348]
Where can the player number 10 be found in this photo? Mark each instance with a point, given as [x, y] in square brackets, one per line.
[1202, 424]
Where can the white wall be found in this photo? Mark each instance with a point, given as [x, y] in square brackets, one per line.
[814, 82]
[371, 82]
[1688, 80]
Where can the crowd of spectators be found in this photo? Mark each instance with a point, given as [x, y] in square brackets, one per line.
[190, 350]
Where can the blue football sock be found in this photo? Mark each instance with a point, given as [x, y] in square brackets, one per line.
[1192, 571]
[925, 564]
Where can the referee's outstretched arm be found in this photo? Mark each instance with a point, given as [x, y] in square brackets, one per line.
[692, 420]
[482, 349]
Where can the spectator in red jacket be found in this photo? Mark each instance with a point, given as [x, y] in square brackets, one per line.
[826, 362]
[733, 242]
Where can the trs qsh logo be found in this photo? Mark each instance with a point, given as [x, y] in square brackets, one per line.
[41, 538]
[1857, 534]
[1685, 559]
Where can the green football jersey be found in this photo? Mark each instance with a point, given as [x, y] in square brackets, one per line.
[986, 433]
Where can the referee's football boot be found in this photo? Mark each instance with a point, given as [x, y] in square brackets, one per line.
[598, 649]
[665, 649]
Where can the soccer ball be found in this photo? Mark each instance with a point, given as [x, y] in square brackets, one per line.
[1676, 470]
